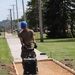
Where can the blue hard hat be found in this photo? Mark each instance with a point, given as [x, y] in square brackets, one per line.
[23, 24]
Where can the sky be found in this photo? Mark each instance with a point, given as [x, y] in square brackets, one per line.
[5, 5]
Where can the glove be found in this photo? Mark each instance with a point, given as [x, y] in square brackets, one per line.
[23, 47]
[35, 45]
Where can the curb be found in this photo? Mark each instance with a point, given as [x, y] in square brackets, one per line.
[15, 69]
[50, 59]
[62, 65]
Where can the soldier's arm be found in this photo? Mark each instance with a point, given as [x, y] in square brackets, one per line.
[21, 40]
[35, 45]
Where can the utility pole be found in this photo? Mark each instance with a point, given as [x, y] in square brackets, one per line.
[17, 15]
[40, 20]
[11, 19]
[24, 13]
[13, 12]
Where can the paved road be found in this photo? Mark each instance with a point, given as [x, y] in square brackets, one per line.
[15, 47]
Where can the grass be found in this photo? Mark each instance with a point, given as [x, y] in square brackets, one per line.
[5, 54]
[5, 58]
[59, 49]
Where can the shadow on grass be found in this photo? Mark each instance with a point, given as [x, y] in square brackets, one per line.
[57, 40]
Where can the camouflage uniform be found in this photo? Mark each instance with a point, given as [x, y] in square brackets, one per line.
[27, 37]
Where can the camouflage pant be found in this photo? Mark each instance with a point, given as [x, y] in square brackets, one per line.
[25, 53]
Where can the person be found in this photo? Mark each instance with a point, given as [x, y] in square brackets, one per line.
[26, 38]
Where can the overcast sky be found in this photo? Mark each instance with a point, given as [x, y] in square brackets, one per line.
[5, 5]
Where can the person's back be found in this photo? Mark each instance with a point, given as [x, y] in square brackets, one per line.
[26, 38]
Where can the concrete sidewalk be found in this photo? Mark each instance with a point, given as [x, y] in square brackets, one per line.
[15, 47]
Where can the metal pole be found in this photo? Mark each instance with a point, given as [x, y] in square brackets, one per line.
[11, 19]
[24, 10]
[40, 20]
[17, 15]
[13, 12]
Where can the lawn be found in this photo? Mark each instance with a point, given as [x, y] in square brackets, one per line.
[5, 55]
[60, 49]
[5, 58]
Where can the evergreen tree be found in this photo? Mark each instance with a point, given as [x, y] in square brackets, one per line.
[32, 13]
[56, 17]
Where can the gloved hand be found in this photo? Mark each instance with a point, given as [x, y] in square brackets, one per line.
[23, 47]
[35, 45]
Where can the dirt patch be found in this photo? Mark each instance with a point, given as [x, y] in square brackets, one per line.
[46, 68]
[67, 62]
[7, 69]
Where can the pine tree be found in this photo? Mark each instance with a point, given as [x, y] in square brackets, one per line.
[32, 13]
[56, 17]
